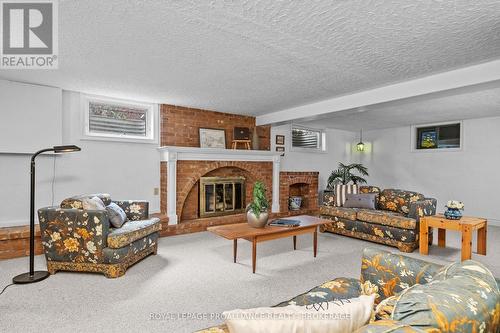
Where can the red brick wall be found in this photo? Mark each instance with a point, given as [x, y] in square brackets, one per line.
[180, 126]
[299, 183]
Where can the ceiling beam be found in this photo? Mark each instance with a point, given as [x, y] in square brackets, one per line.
[458, 78]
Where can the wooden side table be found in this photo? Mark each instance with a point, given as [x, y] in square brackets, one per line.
[466, 225]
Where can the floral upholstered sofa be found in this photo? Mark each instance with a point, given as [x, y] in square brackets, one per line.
[75, 239]
[414, 295]
[395, 222]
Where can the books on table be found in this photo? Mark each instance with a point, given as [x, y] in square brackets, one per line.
[285, 223]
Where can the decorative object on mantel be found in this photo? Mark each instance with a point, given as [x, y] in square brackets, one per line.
[255, 139]
[257, 214]
[295, 202]
[241, 135]
[339, 180]
[280, 139]
[454, 210]
[36, 276]
[360, 146]
[212, 138]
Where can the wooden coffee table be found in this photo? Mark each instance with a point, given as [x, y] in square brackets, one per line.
[466, 225]
[308, 225]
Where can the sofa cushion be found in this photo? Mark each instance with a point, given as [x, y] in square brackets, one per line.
[384, 217]
[116, 215]
[341, 192]
[398, 200]
[465, 298]
[131, 231]
[76, 202]
[361, 200]
[128, 252]
[346, 213]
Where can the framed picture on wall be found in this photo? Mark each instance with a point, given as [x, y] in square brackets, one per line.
[212, 138]
[281, 150]
[280, 139]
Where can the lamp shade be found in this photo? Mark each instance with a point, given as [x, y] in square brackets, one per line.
[66, 149]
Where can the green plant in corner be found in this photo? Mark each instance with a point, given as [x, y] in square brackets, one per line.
[259, 203]
[346, 173]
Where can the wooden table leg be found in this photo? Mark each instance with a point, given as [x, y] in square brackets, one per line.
[481, 240]
[315, 242]
[424, 237]
[441, 237]
[254, 254]
[466, 242]
[235, 248]
[295, 242]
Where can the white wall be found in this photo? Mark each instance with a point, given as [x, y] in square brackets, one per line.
[125, 170]
[471, 175]
[338, 149]
[20, 102]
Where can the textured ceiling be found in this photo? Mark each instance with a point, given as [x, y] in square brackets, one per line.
[472, 102]
[261, 56]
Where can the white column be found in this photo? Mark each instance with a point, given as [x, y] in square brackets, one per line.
[172, 187]
[276, 184]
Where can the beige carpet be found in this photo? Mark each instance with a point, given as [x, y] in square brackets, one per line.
[192, 275]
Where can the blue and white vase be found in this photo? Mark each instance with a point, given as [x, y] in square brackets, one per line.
[453, 213]
[294, 203]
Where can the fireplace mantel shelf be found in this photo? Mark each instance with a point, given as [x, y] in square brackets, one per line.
[214, 154]
[172, 154]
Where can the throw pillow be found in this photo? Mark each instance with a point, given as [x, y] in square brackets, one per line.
[361, 200]
[464, 297]
[329, 317]
[94, 203]
[341, 192]
[116, 215]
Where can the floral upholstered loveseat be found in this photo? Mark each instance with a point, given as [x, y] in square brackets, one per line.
[75, 239]
[414, 295]
[395, 222]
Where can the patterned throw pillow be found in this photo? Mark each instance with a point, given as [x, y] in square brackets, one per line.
[94, 203]
[341, 192]
[116, 215]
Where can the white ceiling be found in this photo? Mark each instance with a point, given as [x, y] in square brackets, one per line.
[257, 57]
[466, 103]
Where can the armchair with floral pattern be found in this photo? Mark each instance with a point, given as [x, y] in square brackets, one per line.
[75, 239]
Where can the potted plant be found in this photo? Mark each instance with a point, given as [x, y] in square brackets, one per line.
[342, 176]
[346, 174]
[454, 210]
[257, 214]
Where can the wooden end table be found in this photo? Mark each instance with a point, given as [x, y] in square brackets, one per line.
[308, 225]
[466, 225]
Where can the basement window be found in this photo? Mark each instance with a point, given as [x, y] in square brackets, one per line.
[117, 120]
[308, 139]
[440, 136]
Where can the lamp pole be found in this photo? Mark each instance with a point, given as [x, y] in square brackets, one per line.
[36, 276]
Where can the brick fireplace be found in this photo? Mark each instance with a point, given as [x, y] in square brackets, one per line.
[183, 167]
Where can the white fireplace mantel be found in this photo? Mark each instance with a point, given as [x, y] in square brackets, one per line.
[171, 155]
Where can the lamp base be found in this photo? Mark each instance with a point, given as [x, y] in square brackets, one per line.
[27, 278]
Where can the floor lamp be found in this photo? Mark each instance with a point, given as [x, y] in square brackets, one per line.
[37, 276]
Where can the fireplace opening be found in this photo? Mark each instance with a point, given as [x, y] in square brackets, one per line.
[221, 196]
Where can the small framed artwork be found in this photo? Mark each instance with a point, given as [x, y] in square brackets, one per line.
[281, 150]
[280, 139]
[212, 138]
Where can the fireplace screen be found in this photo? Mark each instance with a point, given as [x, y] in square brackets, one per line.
[221, 196]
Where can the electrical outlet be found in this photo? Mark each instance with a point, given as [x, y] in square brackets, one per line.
[156, 191]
